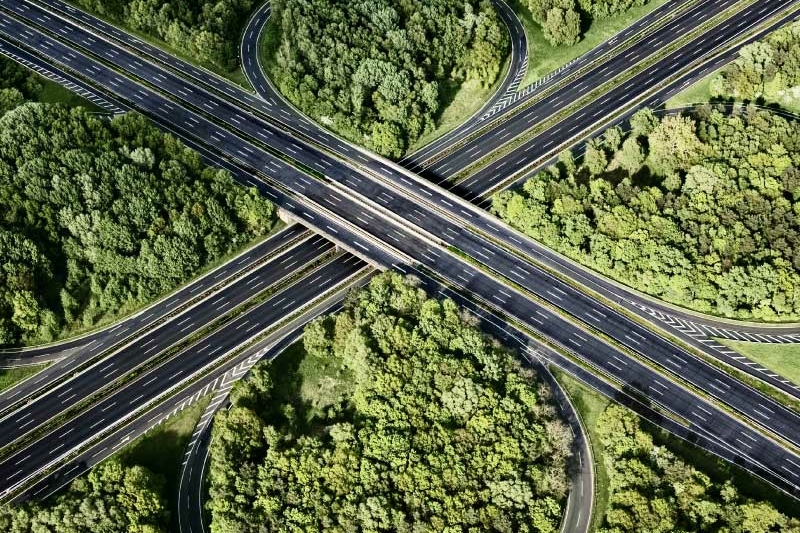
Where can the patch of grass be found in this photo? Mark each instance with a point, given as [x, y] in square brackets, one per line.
[590, 405]
[11, 376]
[53, 93]
[309, 383]
[544, 58]
[698, 92]
[460, 101]
[161, 450]
[783, 359]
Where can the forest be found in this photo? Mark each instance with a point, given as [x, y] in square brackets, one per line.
[111, 498]
[207, 30]
[564, 21]
[654, 490]
[406, 418]
[768, 70]
[373, 70]
[101, 216]
[702, 210]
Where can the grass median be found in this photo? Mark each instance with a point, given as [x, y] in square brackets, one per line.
[783, 359]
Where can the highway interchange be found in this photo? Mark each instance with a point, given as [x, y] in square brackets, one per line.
[392, 217]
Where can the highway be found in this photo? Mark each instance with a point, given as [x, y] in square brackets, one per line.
[19, 419]
[434, 254]
[688, 326]
[496, 174]
[127, 399]
[73, 353]
[251, 62]
[631, 301]
[221, 378]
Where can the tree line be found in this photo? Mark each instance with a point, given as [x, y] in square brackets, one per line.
[111, 498]
[101, 216]
[564, 21]
[768, 69]
[700, 210]
[653, 490]
[406, 418]
[373, 70]
[208, 30]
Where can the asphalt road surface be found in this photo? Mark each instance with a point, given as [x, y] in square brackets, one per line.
[53, 447]
[19, 420]
[384, 192]
[220, 378]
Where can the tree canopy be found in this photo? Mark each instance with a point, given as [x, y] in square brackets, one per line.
[208, 30]
[768, 69]
[410, 420]
[372, 69]
[653, 490]
[112, 498]
[701, 210]
[102, 215]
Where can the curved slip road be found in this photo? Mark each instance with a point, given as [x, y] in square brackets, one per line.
[380, 227]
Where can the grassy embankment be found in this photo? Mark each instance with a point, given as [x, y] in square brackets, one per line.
[11, 376]
[544, 58]
[783, 359]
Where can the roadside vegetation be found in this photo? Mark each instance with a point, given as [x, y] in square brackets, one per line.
[112, 498]
[700, 210]
[11, 376]
[396, 415]
[783, 359]
[765, 72]
[545, 57]
[657, 483]
[102, 216]
[206, 30]
[563, 22]
[133, 492]
[378, 72]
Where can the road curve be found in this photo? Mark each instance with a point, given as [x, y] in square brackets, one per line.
[444, 264]
[577, 514]
[255, 74]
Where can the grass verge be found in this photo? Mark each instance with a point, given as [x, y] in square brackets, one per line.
[53, 93]
[698, 92]
[235, 76]
[460, 102]
[161, 450]
[783, 359]
[590, 405]
[544, 58]
[11, 376]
